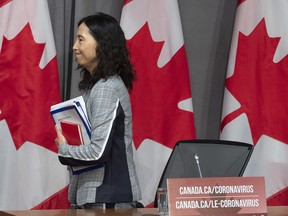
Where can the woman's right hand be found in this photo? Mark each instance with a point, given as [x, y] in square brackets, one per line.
[60, 139]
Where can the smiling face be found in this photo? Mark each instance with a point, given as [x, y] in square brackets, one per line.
[85, 48]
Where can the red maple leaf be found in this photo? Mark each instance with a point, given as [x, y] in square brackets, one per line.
[260, 85]
[157, 92]
[127, 1]
[27, 91]
[3, 2]
[240, 2]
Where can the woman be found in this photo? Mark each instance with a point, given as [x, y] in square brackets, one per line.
[110, 180]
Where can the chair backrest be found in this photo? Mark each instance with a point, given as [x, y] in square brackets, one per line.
[216, 158]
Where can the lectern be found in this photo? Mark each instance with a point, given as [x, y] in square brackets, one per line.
[207, 158]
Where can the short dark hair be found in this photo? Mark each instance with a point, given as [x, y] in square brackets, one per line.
[113, 56]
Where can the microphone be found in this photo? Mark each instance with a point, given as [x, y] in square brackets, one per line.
[196, 157]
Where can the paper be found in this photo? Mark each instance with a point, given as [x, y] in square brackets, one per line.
[73, 111]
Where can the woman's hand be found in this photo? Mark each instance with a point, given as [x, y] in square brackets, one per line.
[60, 139]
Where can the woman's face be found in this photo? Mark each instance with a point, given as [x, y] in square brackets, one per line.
[85, 48]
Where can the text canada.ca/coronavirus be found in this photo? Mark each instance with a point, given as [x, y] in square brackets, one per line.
[224, 189]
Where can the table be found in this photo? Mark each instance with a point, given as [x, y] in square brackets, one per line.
[272, 211]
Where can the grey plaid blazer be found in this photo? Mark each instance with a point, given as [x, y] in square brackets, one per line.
[109, 111]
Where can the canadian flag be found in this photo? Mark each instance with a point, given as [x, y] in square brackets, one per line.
[255, 109]
[31, 175]
[161, 96]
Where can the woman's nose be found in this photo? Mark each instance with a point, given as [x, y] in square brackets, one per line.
[74, 46]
